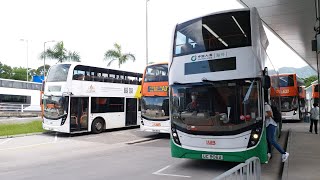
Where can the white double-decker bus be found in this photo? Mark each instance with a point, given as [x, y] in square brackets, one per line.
[218, 86]
[79, 98]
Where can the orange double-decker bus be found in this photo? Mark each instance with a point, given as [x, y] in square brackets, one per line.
[155, 99]
[293, 97]
[315, 93]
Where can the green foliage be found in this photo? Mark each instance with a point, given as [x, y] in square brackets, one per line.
[5, 71]
[39, 70]
[60, 53]
[20, 73]
[309, 80]
[117, 55]
[21, 128]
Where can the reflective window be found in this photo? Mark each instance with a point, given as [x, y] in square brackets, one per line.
[55, 106]
[156, 73]
[107, 104]
[155, 108]
[58, 73]
[6, 98]
[286, 81]
[216, 106]
[213, 32]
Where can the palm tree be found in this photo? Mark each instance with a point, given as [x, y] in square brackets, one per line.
[60, 53]
[117, 55]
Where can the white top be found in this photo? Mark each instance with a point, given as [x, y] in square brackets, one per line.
[314, 113]
[269, 120]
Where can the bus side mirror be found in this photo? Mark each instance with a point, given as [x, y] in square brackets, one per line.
[266, 82]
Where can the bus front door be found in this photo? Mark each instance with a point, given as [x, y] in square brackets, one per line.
[131, 111]
[79, 114]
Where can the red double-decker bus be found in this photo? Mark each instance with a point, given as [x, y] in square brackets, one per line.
[155, 99]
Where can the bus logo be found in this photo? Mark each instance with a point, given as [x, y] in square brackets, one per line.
[211, 142]
[193, 58]
[91, 89]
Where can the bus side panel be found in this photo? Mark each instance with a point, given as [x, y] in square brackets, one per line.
[259, 151]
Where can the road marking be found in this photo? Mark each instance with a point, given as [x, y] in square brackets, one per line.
[9, 139]
[163, 174]
[32, 145]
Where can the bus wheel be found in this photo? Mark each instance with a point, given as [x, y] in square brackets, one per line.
[97, 126]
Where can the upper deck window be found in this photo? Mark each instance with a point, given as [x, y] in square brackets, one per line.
[156, 73]
[58, 73]
[286, 81]
[213, 32]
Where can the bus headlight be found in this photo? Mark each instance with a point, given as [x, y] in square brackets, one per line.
[254, 136]
[174, 134]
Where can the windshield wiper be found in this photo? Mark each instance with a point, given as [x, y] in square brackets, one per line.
[246, 97]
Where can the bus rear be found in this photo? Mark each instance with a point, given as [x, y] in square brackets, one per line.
[155, 100]
[292, 92]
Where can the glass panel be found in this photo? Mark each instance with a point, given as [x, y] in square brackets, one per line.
[106, 104]
[216, 106]
[155, 108]
[208, 34]
[156, 73]
[5, 98]
[289, 103]
[58, 73]
[55, 106]
[286, 81]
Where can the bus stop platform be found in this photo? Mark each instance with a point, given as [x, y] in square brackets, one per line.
[304, 150]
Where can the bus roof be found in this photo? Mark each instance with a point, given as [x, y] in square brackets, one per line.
[216, 13]
[126, 73]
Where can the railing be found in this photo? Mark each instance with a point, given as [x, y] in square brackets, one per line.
[249, 170]
[5, 107]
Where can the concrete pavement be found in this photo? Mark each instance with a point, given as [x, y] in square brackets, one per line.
[304, 159]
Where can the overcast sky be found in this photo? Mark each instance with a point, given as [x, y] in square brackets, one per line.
[91, 27]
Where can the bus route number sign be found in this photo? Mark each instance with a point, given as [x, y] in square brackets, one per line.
[157, 88]
[212, 156]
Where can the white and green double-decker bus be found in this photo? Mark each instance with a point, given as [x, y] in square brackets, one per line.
[218, 86]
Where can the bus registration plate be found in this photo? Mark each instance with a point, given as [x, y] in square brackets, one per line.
[212, 156]
[156, 124]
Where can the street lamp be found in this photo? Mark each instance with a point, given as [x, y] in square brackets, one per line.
[26, 40]
[44, 57]
[147, 31]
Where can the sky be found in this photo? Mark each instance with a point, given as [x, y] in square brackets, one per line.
[91, 27]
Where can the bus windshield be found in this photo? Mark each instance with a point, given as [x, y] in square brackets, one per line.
[58, 73]
[55, 106]
[213, 32]
[155, 108]
[156, 73]
[286, 81]
[289, 103]
[216, 106]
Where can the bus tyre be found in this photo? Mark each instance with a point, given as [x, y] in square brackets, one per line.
[97, 126]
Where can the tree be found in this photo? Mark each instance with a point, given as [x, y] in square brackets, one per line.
[60, 53]
[19, 73]
[117, 55]
[39, 70]
[309, 80]
[5, 71]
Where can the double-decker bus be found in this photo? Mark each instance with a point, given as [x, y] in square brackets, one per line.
[155, 99]
[80, 98]
[293, 96]
[219, 84]
[314, 93]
